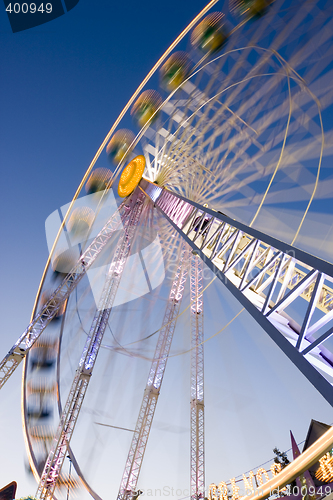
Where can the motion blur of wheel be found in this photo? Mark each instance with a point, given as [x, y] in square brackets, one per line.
[238, 121]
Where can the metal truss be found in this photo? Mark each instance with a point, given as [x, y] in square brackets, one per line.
[58, 297]
[197, 382]
[87, 361]
[267, 276]
[143, 425]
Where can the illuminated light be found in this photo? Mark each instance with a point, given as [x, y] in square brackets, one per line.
[175, 71]
[259, 474]
[99, 180]
[80, 221]
[45, 344]
[120, 145]
[210, 34]
[145, 107]
[248, 484]
[223, 490]
[275, 469]
[131, 176]
[325, 471]
[249, 8]
[212, 492]
[300, 464]
[45, 297]
[44, 389]
[234, 489]
[64, 480]
[27, 498]
[39, 432]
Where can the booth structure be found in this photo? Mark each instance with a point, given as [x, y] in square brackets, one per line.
[9, 491]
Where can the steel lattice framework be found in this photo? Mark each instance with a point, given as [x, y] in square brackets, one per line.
[58, 297]
[197, 382]
[87, 361]
[266, 276]
[154, 382]
[229, 116]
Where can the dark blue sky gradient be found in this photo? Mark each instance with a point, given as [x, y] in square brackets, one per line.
[62, 86]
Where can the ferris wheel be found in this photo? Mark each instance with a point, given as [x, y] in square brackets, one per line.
[222, 166]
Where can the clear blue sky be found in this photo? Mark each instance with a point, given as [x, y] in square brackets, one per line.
[62, 86]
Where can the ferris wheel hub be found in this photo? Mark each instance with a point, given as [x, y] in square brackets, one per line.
[131, 176]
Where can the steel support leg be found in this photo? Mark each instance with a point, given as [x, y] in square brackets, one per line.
[140, 438]
[88, 358]
[197, 382]
[45, 315]
[266, 276]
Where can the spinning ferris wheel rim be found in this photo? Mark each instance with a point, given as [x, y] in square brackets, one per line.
[118, 120]
[32, 461]
[290, 75]
[105, 141]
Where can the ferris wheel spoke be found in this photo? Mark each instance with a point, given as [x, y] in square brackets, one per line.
[231, 183]
[236, 134]
[88, 358]
[178, 143]
[142, 429]
[178, 153]
[255, 267]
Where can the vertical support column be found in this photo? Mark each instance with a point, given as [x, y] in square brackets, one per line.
[134, 461]
[197, 382]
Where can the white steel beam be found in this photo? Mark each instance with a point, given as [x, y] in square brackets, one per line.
[45, 315]
[87, 361]
[266, 275]
[134, 460]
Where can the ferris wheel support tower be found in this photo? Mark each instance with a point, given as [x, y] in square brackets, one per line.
[135, 457]
[88, 358]
[266, 276]
[197, 381]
